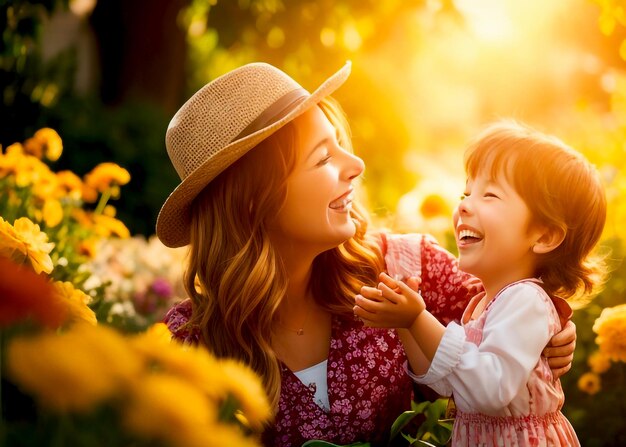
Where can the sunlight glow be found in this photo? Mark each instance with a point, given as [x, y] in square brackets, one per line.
[490, 20]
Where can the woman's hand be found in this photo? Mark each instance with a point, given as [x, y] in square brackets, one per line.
[560, 350]
[391, 304]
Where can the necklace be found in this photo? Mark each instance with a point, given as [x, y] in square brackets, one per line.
[300, 330]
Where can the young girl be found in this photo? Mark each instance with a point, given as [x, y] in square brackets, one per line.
[532, 212]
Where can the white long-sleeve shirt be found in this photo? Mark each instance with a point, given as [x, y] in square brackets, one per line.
[498, 374]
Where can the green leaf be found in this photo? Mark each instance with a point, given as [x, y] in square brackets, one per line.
[401, 422]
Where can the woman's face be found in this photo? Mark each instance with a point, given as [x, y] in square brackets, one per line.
[316, 212]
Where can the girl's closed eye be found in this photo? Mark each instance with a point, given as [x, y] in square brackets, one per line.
[491, 194]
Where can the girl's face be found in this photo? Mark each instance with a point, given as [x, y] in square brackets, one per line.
[316, 212]
[494, 232]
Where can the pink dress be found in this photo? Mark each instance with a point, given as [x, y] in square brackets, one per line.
[368, 386]
[503, 394]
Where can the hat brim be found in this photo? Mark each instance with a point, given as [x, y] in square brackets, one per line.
[173, 222]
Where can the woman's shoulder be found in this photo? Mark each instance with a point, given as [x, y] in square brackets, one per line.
[402, 253]
[405, 253]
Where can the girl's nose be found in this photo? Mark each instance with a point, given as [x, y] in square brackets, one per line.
[465, 206]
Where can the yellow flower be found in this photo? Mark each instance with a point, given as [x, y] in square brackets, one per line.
[77, 302]
[611, 329]
[69, 184]
[52, 212]
[160, 331]
[10, 160]
[229, 435]
[245, 386]
[87, 247]
[33, 148]
[89, 194]
[45, 141]
[105, 175]
[75, 370]
[26, 169]
[194, 364]
[169, 409]
[11, 244]
[589, 383]
[434, 205]
[599, 362]
[103, 225]
[218, 379]
[44, 182]
[27, 239]
[107, 226]
[51, 142]
[109, 210]
[83, 218]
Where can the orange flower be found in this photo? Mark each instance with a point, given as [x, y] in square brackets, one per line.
[69, 184]
[434, 206]
[76, 301]
[107, 226]
[589, 383]
[106, 175]
[25, 294]
[599, 362]
[45, 141]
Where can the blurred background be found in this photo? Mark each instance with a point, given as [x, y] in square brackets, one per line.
[108, 75]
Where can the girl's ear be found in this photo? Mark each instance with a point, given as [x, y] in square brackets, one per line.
[549, 239]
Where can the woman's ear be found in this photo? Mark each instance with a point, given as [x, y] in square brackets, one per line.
[549, 239]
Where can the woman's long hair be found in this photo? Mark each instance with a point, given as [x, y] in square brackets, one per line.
[235, 277]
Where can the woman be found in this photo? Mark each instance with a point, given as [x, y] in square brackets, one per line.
[279, 248]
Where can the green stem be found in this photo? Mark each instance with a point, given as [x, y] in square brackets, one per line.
[104, 198]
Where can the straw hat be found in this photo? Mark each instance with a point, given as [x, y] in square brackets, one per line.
[220, 123]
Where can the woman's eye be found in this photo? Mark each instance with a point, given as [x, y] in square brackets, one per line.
[323, 161]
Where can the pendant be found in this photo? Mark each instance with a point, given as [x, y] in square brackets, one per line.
[300, 331]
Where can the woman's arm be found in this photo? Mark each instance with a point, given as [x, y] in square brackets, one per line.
[560, 350]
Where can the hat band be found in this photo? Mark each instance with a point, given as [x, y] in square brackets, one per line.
[277, 110]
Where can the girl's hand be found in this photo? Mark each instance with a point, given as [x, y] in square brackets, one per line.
[391, 304]
[560, 350]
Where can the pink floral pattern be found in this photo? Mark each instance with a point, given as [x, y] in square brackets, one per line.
[367, 389]
[367, 382]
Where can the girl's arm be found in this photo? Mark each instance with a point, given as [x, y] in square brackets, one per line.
[398, 305]
[487, 377]
[447, 290]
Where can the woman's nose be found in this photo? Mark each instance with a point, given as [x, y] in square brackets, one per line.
[353, 166]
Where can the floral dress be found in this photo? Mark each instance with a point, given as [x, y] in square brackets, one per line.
[503, 388]
[368, 386]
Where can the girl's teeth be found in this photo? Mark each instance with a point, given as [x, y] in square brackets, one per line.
[469, 233]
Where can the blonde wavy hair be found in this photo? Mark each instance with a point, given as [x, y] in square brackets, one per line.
[561, 189]
[235, 278]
